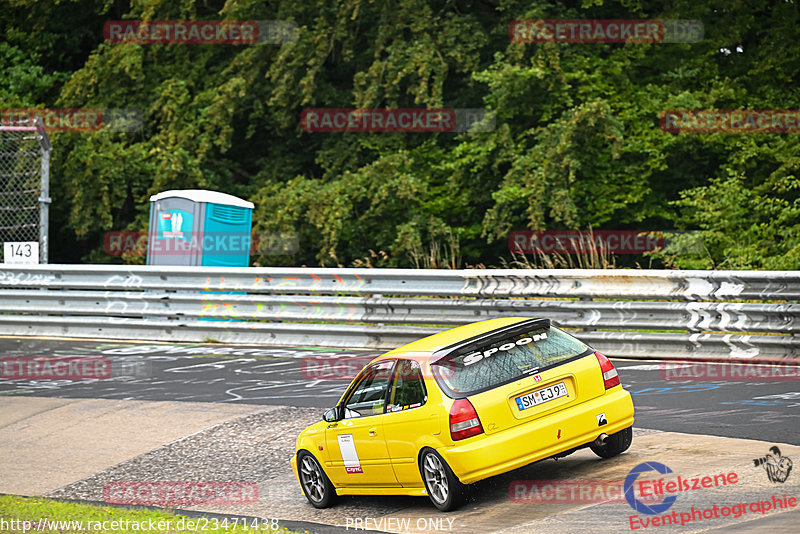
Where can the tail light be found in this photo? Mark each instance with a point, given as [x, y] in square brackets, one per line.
[464, 422]
[610, 376]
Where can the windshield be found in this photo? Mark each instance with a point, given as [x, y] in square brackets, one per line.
[499, 361]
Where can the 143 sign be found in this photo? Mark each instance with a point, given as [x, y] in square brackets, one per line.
[20, 252]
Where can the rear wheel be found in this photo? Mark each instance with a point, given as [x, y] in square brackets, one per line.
[615, 444]
[317, 487]
[444, 489]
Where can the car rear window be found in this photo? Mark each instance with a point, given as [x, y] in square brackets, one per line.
[478, 367]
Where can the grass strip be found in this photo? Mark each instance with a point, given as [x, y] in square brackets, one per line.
[36, 514]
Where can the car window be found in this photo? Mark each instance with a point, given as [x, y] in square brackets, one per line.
[408, 388]
[369, 395]
[501, 361]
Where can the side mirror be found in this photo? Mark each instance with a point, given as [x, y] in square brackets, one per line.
[329, 416]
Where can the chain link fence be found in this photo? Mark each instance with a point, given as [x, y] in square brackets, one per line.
[24, 189]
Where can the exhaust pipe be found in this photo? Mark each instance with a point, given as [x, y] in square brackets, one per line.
[601, 440]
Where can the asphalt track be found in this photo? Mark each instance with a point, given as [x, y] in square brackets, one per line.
[314, 377]
[164, 403]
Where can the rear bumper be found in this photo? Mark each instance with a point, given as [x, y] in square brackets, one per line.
[485, 455]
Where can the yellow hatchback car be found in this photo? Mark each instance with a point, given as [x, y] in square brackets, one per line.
[460, 406]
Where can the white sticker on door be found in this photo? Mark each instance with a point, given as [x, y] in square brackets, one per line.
[348, 449]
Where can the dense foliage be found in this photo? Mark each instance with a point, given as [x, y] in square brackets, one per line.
[577, 142]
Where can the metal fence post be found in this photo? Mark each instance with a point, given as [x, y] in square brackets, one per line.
[44, 192]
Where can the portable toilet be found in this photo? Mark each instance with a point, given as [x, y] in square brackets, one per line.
[199, 227]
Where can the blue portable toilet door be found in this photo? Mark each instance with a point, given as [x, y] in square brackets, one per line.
[228, 227]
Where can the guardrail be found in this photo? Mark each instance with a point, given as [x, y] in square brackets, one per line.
[690, 314]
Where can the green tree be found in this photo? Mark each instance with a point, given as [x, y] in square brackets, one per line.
[577, 142]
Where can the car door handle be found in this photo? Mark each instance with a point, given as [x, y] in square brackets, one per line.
[373, 432]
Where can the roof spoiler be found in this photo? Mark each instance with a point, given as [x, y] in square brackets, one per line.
[482, 339]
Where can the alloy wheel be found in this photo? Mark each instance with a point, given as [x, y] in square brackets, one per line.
[311, 474]
[436, 478]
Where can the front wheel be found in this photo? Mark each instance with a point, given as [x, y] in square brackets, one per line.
[616, 443]
[316, 485]
[444, 489]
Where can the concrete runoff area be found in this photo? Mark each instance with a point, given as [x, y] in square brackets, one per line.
[47, 443]
[71, 448]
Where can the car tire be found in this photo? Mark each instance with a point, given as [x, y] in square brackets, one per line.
[616, 443]
[316, 485]
[444, 489]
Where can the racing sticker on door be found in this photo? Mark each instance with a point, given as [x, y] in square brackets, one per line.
[348, 449]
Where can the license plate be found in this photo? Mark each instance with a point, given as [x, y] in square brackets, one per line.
[540, 396]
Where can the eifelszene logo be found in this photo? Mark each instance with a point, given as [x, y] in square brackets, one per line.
[667, 486]
[630, 496]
